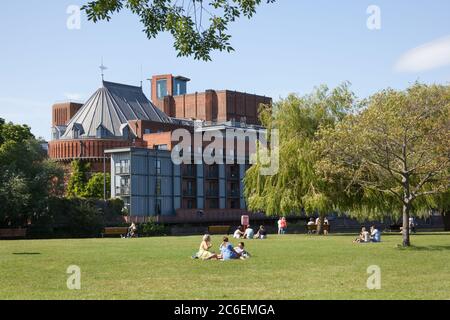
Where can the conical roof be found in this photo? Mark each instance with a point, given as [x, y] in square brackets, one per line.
[109, 108]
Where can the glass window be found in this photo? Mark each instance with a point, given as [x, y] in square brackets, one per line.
[161, 87]
[162, 147]
[158, 187]
[158, 207]
[158, 166]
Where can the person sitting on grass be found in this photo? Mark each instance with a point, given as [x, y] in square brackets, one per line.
[227, 251]
[261, 234]
[238, 234]
[364, 236]
[240, 249]
[204, 252]
[375, 234]
[249, 233]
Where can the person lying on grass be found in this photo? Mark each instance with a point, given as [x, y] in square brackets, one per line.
[204, 252]
[240, 249]
[227, 251]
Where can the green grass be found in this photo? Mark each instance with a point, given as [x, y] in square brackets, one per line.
[289, 267]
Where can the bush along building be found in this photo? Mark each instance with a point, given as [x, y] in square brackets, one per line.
[119, 130]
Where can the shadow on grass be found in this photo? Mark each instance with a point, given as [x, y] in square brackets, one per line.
[26, 253]
[425, 248]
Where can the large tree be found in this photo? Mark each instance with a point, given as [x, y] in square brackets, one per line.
[297, 187]
[393, 154]
[79, 177]
[185, 20]
[97, 185]
[27, 177]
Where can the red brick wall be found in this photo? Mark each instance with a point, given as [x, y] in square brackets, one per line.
[216, 106]
[73, 149]
[63, 112]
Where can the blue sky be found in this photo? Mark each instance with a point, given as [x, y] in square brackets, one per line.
[289, 46]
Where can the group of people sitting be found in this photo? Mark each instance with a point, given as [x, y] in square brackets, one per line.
[365, 236]
[318, 222]
[249, 233]
[227, 251]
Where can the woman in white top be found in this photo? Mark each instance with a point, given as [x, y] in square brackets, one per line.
[238, 234]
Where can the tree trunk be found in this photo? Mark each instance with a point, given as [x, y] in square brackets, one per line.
[446, 219]
[405, 230]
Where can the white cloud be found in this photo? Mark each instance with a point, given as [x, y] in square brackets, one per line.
[426, 57]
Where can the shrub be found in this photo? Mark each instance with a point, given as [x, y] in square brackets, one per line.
[152, 229]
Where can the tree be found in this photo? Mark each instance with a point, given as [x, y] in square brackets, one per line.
[393, 154]
[297, 187]
[13, 132]
[76, 186]
[27, 177]
[95, 186]
[183, 19]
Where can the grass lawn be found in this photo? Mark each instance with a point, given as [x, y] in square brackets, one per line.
[287, 267]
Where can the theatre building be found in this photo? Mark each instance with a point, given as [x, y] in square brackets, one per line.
[121, 131]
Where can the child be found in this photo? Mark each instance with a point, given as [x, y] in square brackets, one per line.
[240, 250]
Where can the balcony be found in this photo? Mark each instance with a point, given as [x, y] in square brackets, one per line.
[234, 194]
[123, 191]
[213, 174]
[189, 193]
[212, 193]
[232, 175]
[123, 170]
[188, 172]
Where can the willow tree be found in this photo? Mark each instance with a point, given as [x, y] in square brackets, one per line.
[297, 187]
[392, 155]
[197, 26]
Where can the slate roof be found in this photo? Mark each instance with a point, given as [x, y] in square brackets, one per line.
[109, 108]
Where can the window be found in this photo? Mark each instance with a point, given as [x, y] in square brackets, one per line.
[162, 147]
[158, 187]
[122, 167]
[147, 131]
[213, 204]
[158, 207]
[158, 166]
[180, 87]
[190, 204]
[123, 187]
[161, 87]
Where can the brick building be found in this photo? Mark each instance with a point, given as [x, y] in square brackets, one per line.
[119, 125]
[119, 115]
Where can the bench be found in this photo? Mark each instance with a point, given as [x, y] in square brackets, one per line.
[313, 228]
[13, 233]
[219, 230]
[115, 231]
